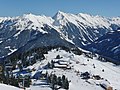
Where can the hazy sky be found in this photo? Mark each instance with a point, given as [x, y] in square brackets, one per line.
[108, 8]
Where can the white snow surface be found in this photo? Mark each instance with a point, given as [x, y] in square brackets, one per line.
[111, 72]
[78, 63]
[62, 18]
[8, 87]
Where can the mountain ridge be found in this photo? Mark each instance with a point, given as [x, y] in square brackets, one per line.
[77, 29]
[108, 45]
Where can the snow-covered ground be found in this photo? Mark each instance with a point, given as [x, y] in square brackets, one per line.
[8, 87]
[81, 63]
[78, 63]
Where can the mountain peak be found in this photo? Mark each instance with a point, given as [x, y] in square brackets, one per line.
[59, 15]
[60, 12]
[59, 18]
[83, 14]
[29, 15]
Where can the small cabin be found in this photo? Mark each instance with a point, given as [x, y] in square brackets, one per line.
[56, 65]
[61, 64]
[85, 75]
[96, 77]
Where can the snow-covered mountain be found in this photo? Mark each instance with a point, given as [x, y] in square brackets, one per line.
[33, 33]
[108, 45]
[82, 29]
[30, 31]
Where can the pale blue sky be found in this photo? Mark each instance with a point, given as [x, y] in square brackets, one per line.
[108, 8]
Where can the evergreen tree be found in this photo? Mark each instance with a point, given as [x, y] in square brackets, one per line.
[46, 74]
[28, 81]
[63, 81]
[63, 78]
[53, 81]
[48, 79]
[59, 81]
[58, 57]
[48, 65]
[52, 64]
[66, 86]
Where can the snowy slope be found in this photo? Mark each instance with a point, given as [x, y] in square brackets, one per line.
[83, 27]
[108, 45]
[62, 18]
[8, 87]
[110, 75]
[79, 64]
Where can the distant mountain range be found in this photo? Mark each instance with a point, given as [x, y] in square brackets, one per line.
[65, 29]
[107, 45]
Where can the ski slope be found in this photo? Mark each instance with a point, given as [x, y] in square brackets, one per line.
[78, 63]
[8, 87]
[111, 74]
